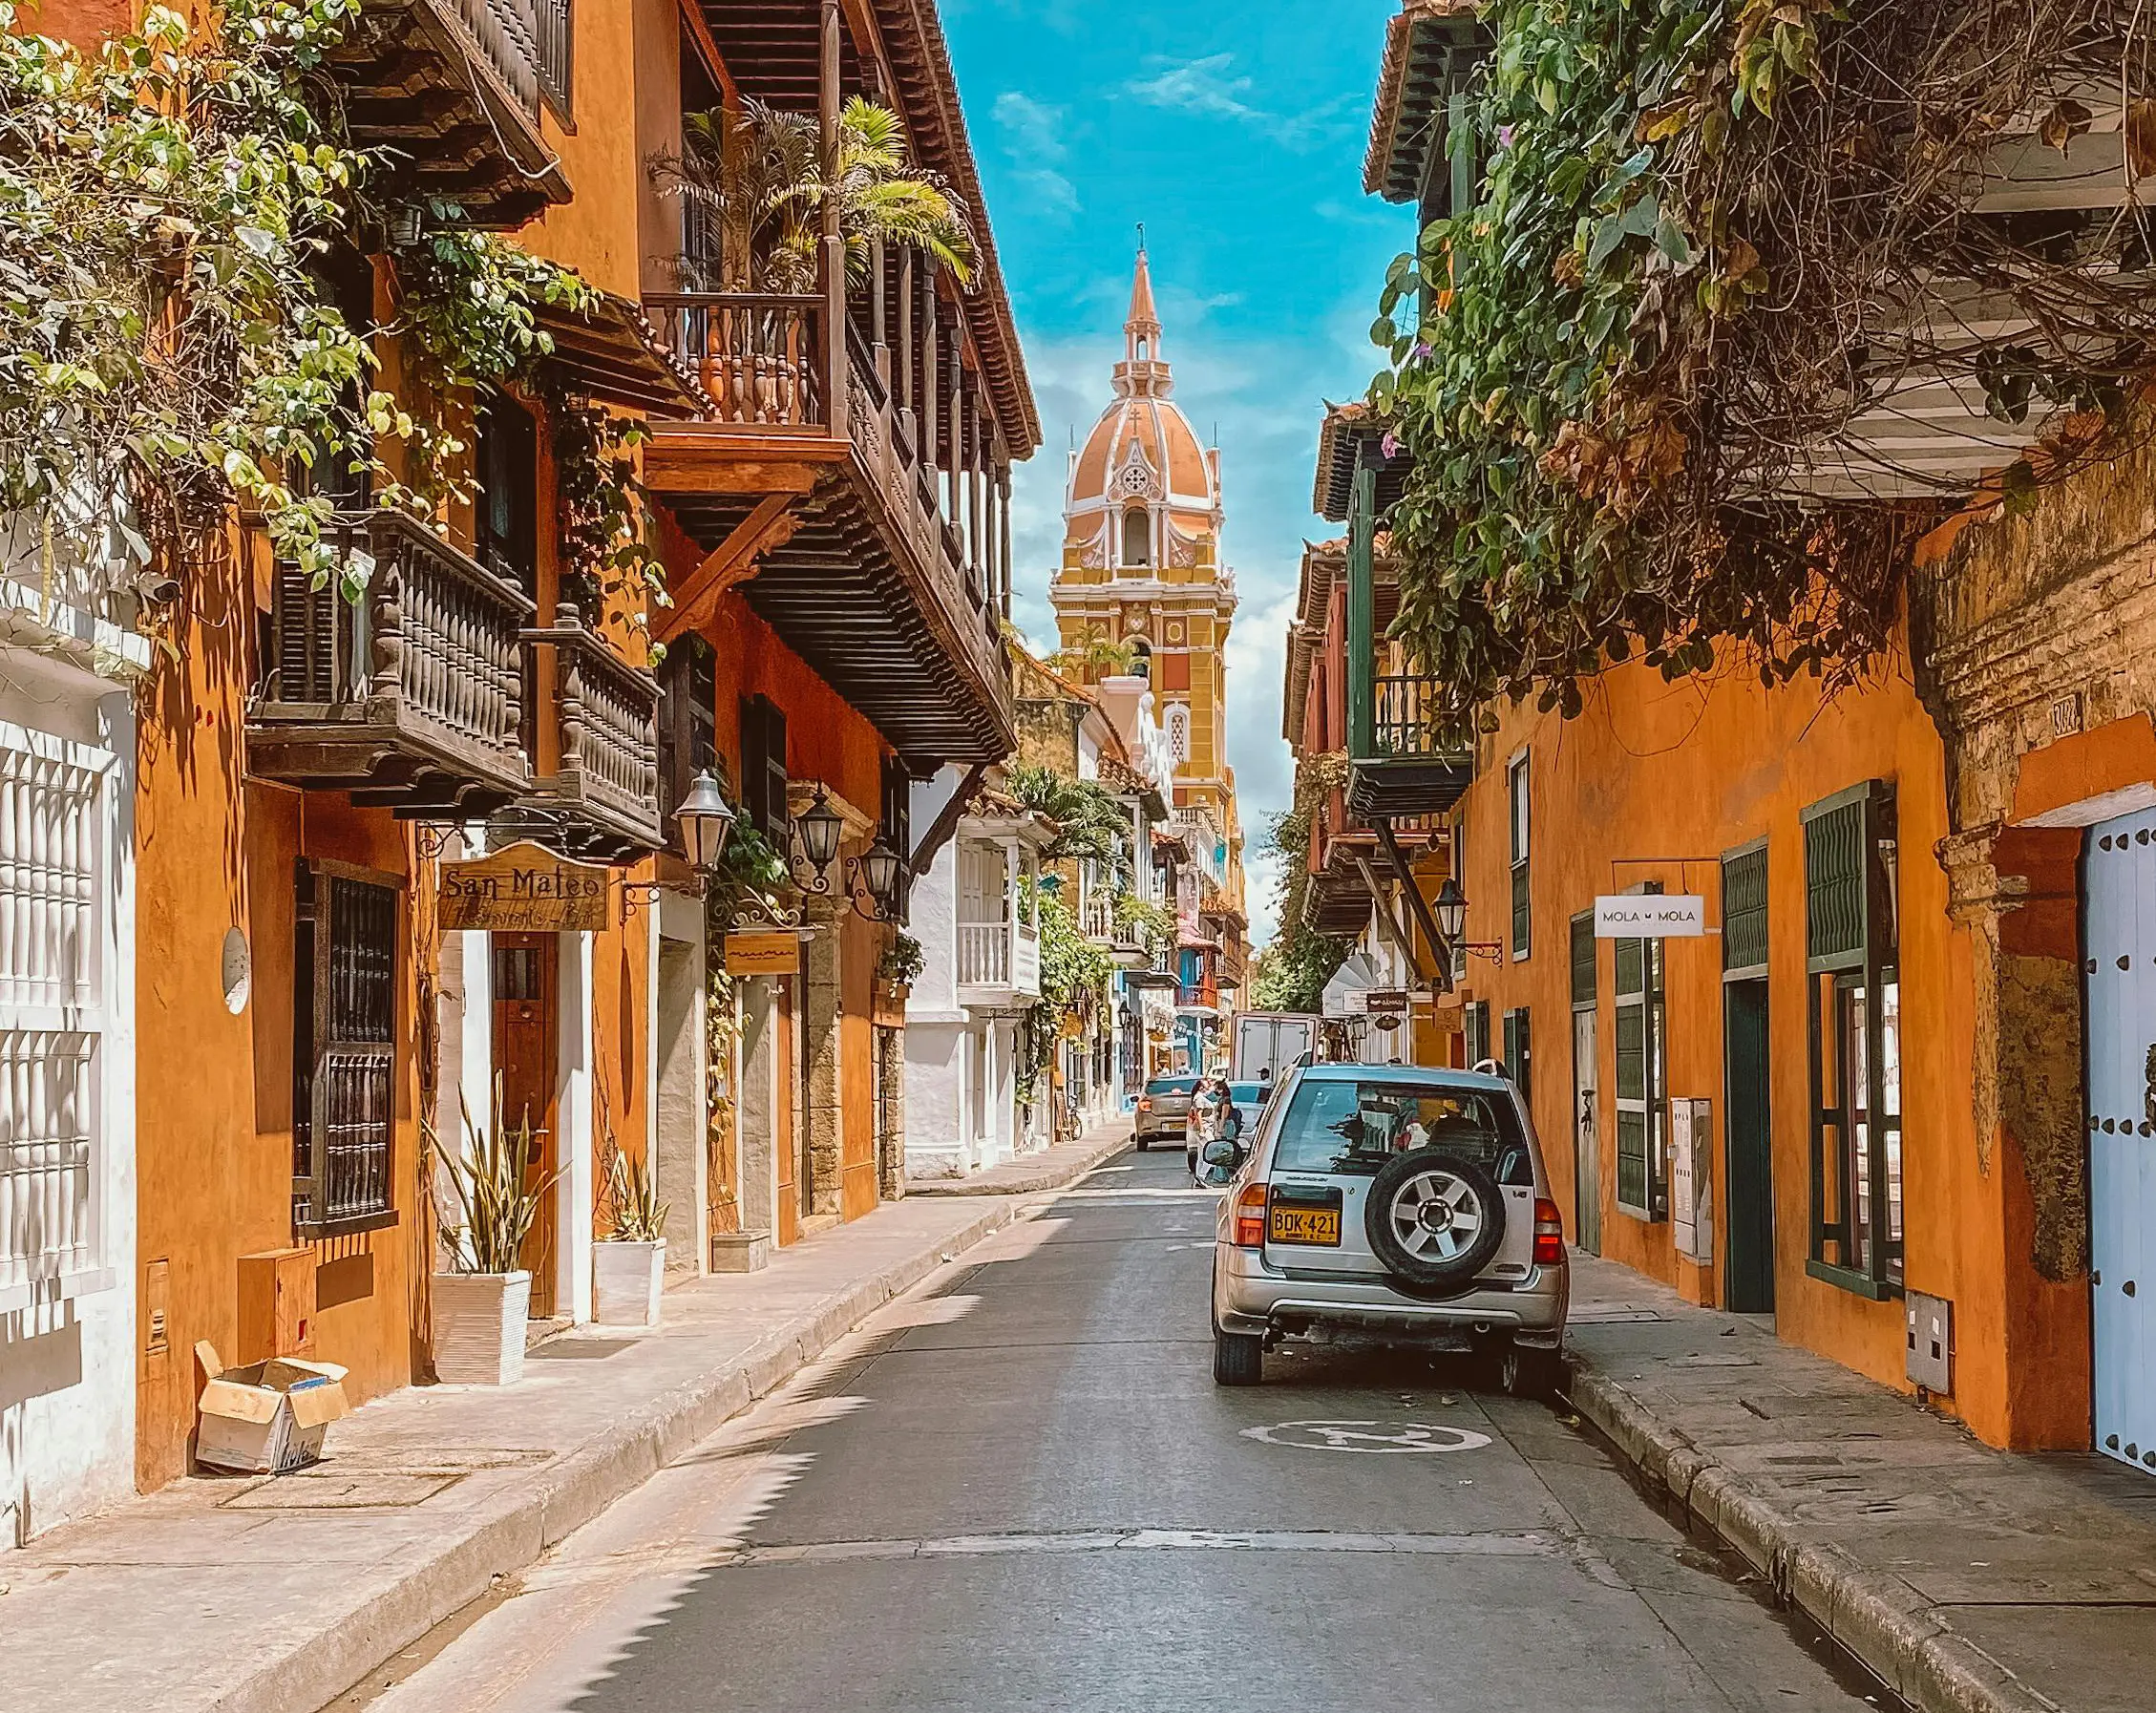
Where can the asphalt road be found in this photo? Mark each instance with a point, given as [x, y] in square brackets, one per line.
[1021, 1489]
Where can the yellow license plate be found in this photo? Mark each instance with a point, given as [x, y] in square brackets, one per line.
[1319, 1227]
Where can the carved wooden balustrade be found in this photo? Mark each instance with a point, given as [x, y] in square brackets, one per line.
[607, 722]
[409, 696]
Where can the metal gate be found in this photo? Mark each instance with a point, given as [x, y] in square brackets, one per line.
[2121, 869]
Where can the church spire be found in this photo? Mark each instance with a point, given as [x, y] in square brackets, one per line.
[1143, 370]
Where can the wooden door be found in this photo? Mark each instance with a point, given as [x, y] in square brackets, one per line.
[1748, 1271]
[524, 1036]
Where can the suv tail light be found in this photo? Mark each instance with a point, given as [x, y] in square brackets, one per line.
[1548, 1233]
[1144, 1103]
[1250, 1217]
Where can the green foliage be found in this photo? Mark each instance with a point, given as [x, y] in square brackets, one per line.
[168, 345]
[1077, 980]
[903, 962]
[1693, 220]
[751, 871]
[495, 1188]
[1148, 924]
[164, 348]
[758, 177]
[1291, 973]
[630, 1203]
[1091, 821]
[603, 511]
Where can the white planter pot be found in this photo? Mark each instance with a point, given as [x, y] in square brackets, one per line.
[625, 1282]
[479, 1321]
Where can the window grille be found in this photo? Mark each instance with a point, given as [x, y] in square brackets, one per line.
[762, 769]
[1643, 1135]
[344, 1049]
[1744, 910]
[1853, 1034]
[1519, 1052]
[555, 21]
[1583, 960]
[55, 829]
[1516, 778]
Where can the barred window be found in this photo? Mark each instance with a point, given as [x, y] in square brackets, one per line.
[344, 1049]
[55, 829]
[1642, 1123]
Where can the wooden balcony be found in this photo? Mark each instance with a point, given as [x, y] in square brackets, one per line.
[453, 89]
[601, 803]
[411, 698]
[871, 539]
[1403, 773]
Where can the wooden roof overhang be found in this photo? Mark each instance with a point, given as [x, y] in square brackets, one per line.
[1408, 786]
[893, 51]
[845, 585]
[1430, 47]
[1352, 434]
[456, 117]
[614, 356]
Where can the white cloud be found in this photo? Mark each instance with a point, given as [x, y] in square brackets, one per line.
[1205, 86]
[1034, 138]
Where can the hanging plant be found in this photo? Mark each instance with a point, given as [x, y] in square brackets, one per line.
[604, 513]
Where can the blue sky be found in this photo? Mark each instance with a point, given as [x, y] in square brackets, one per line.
[1234, 131]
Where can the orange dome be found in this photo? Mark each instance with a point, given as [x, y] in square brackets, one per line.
[1143, 455]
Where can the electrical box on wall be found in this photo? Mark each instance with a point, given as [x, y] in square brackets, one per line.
[1931, 1343]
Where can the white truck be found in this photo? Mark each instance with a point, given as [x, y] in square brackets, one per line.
[1271, 1041]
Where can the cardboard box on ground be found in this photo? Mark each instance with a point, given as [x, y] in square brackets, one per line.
[269, 1416]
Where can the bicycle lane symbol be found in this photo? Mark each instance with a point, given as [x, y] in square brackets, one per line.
[1375, 1438]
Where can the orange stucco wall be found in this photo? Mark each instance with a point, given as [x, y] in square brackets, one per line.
[214, 1093]
[1691, 770]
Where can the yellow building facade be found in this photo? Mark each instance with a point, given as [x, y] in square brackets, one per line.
[1142, 576]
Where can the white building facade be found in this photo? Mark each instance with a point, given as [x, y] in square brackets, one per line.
[67, 1036]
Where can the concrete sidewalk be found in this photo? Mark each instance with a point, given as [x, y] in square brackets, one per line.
[1967, 1579]
[247, 1595]
[1030, 1174]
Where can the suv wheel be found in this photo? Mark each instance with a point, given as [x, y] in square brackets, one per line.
[1528, 1373]
[1433, 1219]
[1143, 1141]
[1238, 1358]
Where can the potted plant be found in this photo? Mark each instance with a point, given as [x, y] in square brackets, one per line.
[628, 1263]
[901, 966]
[482, 1300]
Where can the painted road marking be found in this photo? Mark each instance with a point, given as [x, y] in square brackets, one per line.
[1383, 1438]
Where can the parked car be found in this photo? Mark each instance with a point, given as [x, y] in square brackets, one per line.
[1247, 1101]
[1163, 1111]
[1404, 1204]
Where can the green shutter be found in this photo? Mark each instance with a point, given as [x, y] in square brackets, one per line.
[1744, 910]
[1842, 878]
[1583, 958]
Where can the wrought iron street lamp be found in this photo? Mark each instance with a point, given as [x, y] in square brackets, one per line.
[1450, 908]
[705, 819]
[819, 828]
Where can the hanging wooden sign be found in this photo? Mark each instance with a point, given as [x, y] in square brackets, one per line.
[775, 953]
[524, 890]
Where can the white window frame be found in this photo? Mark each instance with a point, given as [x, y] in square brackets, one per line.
[85, 1011]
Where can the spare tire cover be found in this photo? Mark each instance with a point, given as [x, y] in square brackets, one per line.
[1433, 1219]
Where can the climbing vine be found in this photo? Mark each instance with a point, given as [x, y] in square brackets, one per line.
[1704, 237]
[169, 343]
[608, 563]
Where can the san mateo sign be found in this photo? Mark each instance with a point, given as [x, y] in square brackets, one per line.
[1651, 915]
[524, 890]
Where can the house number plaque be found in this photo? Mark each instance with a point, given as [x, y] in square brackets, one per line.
[524, 890]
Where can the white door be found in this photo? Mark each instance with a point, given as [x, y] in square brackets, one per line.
[2122, 1104]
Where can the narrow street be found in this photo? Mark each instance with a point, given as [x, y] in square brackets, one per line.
[1018, 1488]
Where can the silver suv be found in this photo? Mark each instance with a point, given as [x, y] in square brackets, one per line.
[1393, 1202]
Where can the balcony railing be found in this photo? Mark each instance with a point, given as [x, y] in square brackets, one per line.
[1404, 705]
[506, 35]
[1100, 919]
[426, 668]
[999, 954]
[606, 714]
[757, 354]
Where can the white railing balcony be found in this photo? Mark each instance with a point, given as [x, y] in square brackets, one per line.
[999, 962]
[1100, 919]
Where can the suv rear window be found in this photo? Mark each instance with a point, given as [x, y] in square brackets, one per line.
[1172, 1084]
[1353, 1128]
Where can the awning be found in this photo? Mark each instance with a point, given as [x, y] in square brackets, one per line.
[1346, 993]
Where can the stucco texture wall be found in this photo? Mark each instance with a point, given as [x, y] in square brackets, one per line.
[1691, 770]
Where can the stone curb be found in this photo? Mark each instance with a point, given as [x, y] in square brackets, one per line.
[1880, 1619]
[1032, 1184]
[317, 1668]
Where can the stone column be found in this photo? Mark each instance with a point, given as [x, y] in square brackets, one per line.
[825, 1003]
[891, 1091]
